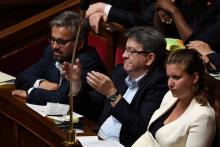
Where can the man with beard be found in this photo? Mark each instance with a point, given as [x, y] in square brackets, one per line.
[44, 82]
[136, 89]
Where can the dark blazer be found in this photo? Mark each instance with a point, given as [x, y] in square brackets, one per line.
[215, 60]
[45, 69]
[132, 12]
[135, 116]
[209, 27]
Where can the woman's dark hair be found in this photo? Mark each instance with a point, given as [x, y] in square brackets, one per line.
[193, 63]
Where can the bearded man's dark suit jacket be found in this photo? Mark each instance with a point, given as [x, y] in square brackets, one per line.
[45, 69]
[131, 12]
[135, 116]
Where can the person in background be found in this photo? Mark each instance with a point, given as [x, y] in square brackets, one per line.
[44, 81]
[128, 13]
[210, 57]
[185, 118]
[136, 89]
[189, 20]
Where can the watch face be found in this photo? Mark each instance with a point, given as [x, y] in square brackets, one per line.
[113, 97]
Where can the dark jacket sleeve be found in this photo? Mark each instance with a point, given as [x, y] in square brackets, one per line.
[28, 77]
[215, 60]
[41, 96]
[131, 18]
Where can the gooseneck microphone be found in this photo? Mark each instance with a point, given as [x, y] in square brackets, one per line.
[71, 133]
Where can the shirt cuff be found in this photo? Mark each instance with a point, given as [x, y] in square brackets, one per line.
[107, 9]
[29, 90]
[37, 83]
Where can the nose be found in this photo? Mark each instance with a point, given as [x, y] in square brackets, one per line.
[54, 44]
[170, 83]
[125, 55]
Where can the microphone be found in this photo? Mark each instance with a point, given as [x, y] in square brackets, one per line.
[71, 134]
[84, 4]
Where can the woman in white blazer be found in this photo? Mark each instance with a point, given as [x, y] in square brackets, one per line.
[185, 118]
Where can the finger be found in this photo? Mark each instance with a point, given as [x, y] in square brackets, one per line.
[91, 82]
[97, 27]
[90, 10]
[78, 63]
[105, 18]
[99, 75]
[93, 76]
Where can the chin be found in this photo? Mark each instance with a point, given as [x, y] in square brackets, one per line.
[174, 94]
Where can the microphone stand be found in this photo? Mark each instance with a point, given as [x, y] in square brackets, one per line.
[71, 133]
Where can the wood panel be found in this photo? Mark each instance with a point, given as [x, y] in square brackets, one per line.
[21, 126]
[26, 31]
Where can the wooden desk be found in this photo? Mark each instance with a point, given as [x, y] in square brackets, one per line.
[21, 126]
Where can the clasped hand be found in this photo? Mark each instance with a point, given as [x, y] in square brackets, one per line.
[95, 13]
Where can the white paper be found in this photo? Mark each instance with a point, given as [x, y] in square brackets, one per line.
[56, 109]
[85, 140]
[64, 118]
[4, 78]
[38, 108]
[59, 111]
[93, 141]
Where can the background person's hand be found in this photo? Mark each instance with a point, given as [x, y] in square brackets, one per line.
[96, 7]
[164, 16]
[94, 20]
[166, 5]
[202, 47]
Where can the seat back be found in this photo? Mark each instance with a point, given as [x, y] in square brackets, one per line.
[213, 94]
[21, 58]
[118, 56]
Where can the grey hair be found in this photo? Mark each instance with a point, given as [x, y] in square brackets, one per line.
[151, 40]
[66, 19]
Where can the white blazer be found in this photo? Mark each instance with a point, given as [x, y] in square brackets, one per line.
[194, 128]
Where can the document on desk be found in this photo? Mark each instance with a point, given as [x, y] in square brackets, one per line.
[6, 79]
[93, 141]
[55, 109]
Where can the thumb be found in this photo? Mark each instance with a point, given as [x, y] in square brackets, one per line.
[105, 18]
[78, 63]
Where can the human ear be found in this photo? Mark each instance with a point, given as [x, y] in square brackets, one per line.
[150, 59]
[195, 77]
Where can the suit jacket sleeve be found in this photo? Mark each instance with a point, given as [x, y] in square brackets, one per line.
[27, 78]
[129, 18]
[215, 60]
[41, 96]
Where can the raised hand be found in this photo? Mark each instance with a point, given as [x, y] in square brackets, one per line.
[73, 76]
[101, 83]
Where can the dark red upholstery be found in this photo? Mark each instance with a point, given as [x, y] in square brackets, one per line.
[118, 56]
[101, 45]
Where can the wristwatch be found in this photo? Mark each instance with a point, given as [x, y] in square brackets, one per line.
[113, 97]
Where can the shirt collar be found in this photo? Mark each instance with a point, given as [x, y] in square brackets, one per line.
[58, 66]
[133, 83]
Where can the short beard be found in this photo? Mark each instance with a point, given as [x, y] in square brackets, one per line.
[63, 58]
